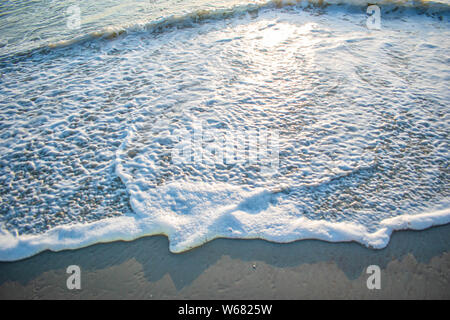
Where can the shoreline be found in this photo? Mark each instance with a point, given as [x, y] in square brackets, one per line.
[415, 265]
[130, 228]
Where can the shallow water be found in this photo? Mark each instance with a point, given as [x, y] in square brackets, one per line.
[356, 118]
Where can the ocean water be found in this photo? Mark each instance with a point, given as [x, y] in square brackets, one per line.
[279, 120]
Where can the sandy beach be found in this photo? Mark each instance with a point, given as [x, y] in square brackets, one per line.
[415, 265]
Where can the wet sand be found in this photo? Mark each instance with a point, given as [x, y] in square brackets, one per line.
[415, 265]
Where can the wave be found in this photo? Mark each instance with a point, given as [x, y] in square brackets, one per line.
[128, 228]
[173, 22]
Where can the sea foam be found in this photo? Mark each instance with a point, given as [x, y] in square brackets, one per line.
[184, 235]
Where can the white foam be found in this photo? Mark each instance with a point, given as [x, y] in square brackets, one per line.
[208, 223]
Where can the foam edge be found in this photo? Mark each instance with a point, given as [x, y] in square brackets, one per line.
[128, 228]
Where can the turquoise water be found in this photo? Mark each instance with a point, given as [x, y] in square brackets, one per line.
[32, 24]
